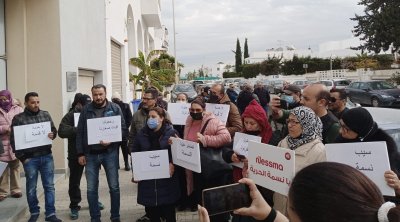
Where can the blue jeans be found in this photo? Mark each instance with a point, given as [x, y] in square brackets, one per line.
[110, 163]
[44, 165]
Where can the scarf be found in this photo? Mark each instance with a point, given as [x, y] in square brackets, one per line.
[311, 125]
[6, 105]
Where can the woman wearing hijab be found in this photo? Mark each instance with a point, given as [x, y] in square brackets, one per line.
[10, 180]
[305, 138]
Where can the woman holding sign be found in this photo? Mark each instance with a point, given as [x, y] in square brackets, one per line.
[10, 180]
[204, 128]
[305, 138]
[158, 195]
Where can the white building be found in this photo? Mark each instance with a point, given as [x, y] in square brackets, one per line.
[286, 53]
[60, 47]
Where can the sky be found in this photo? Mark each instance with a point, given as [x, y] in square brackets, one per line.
[206, 30]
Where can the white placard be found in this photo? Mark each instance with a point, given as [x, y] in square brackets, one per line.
[241, 142]
[106, 128]
[150, 165]
[32, 135]
[370, 158]
[271, 167]
[3, 166]
[186, 154]
[221, 111]
[76, 119]
[178, 112]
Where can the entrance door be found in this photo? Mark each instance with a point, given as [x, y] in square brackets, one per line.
[85, 81]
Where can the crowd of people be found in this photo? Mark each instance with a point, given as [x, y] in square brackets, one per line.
[300, 120]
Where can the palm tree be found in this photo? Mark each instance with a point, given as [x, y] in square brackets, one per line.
[150, 77]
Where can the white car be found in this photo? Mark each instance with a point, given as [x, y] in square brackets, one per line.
[335, 83]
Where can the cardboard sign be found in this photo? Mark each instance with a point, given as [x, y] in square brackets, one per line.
[241, 142]
[150, 165]
[106, 128]
[271, 167]
[32, 135]
[221, 111]
[178, 112]
[186, 154]
[76, 119]
[370, 158]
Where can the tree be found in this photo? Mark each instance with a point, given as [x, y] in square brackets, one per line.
[246, 51]
[271, 66]
[379, 28]
[149, 76]
[238, 57]
[251, 70]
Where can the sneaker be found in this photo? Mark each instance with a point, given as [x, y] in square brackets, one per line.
[144, 218]
[101, 206]
[53, 218]
[74, 214]
[33, 218]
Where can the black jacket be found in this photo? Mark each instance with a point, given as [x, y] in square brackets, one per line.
[67, 130]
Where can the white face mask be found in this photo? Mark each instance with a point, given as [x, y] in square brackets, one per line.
[180, 101]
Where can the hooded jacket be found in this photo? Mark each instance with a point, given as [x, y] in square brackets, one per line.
[5, 124]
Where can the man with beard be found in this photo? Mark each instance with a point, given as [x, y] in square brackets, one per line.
[149, 100]
[67, 130]
[218, 96]
[105, 153]
[338, 102]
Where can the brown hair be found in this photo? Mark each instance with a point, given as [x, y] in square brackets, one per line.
[162, 113]
[334, 192]
[200, 102]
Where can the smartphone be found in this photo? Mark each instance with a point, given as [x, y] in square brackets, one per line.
[284, 104]
[241, 157]
[226, 198]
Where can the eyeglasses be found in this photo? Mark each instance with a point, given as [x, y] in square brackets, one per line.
[144, 98]
[292, 122]
[195, 110]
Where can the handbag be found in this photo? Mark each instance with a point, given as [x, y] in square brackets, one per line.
[212, 163]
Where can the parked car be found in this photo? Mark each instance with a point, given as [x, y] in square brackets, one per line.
[275, 86]
[301, 83]
[335, 83]
[376, 93]
[183, 88]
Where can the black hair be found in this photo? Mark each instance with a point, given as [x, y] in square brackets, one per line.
[186, 96]
[153, 92]
[30, 94]
[98, 86]
[342, 93]
[161, 112]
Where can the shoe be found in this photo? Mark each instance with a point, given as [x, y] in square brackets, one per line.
[16, 195]
[101, 206]
[2, 198]
[127, 168]
[144, 218]
[33, 218]
[74, 214]
[53, 218]
[116, 220]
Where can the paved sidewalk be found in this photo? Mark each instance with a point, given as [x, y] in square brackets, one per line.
[130, 210]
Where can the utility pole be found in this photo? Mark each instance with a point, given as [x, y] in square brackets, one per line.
[176, 59]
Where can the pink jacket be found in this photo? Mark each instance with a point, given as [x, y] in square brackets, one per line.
[5, 123]
[215, 134]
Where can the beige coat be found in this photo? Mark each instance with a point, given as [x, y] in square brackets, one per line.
[306, 154]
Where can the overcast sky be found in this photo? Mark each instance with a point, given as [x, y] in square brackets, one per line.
[207, 29]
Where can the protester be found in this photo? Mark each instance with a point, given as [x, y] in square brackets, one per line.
[263, 95]
[292, 95]
[232, 94]
[105, 153]
[180, 98]
[357, 125]
[37, 159]
[317, 97]
[215, 135]
[159, 195]
[67, 129]
[338, 102]
[245, 97]
[305, 133]
[126, 110]
[10, 180]
[326, 191]
[140, 117]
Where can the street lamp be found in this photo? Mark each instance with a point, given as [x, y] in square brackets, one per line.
[305, 66]
[173, 25]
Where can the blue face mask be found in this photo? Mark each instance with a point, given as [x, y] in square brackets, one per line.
[152, 123]
[288, 99]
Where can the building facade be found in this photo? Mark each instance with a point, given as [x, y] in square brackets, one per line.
[58, 48]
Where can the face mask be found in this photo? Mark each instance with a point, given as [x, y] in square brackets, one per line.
[180, 101]
[196, 116]
[288, 99]
[213, 98]
[152, 123]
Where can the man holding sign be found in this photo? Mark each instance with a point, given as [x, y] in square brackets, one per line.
[38, 158]
[102, 152]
